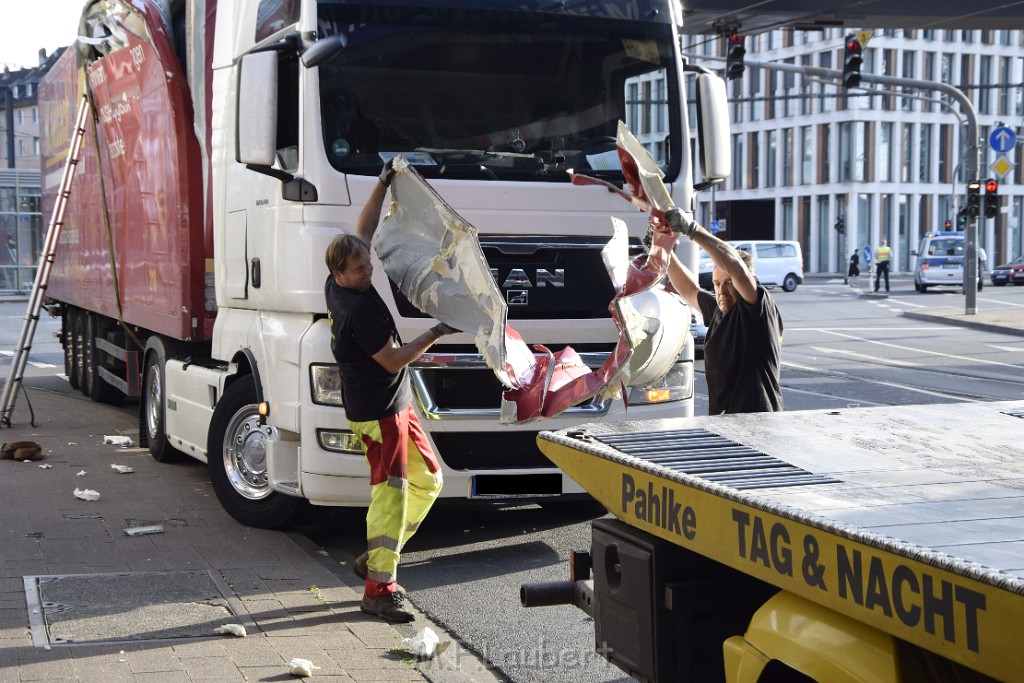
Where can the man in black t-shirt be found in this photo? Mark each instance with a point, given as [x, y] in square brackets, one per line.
[743, 344]
[405, 476]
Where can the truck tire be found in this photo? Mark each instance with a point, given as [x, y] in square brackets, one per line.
[153, 406]
[789, 283]
[70, 350]
[236, 456]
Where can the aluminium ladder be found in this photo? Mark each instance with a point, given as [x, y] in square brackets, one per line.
[28, 329]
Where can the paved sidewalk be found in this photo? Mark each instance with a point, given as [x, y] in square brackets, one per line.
[202, 571]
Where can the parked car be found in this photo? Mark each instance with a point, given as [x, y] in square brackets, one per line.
[1002, 275]
[1017, 275]
[777, 263]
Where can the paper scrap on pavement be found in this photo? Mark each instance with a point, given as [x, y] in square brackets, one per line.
[144, 530]
[122, 441]
[122, 469]
[301, 667]
[230, 629]
[87, 494]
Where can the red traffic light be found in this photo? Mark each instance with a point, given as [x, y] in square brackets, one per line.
[735, 38]
[991, 187]
[949, 224]
[853, 45]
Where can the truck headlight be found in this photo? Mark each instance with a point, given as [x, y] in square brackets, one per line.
[325, 383]
[677, 385]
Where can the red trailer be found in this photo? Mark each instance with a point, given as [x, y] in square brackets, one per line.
[135, 247]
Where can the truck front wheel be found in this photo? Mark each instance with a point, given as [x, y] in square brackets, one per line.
[153, 409]
[236, 455]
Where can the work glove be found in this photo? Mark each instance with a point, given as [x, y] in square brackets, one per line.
[387, 173]
[441, 330]
[680, 223]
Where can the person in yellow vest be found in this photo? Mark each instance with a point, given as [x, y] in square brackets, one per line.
[882, 257]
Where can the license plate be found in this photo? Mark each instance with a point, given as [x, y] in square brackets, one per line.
[950, 266]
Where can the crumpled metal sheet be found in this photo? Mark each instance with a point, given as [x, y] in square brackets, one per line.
[434, 257]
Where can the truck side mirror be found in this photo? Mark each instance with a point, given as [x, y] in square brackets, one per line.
[256, 130]
[713, 128]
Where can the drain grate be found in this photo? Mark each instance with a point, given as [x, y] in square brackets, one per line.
[94, 608]
[711, 456]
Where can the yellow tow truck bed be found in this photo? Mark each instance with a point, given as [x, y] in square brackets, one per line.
[909, 519]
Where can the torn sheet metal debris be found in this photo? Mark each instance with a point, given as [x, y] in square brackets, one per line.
[122, 469]
[434, 257]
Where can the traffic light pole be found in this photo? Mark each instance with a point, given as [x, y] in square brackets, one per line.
[973, 167]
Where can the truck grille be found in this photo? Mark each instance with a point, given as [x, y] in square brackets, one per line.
[545, 277]
[710, 456]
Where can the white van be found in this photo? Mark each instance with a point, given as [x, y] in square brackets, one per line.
[940, 261]
[777, 264]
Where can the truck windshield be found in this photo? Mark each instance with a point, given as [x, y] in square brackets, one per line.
[495, 94]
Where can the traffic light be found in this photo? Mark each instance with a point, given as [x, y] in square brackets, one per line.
[991, 198]
[973, 198]
[961, 217]
[852, 59]
[948, 226]
[734, 52]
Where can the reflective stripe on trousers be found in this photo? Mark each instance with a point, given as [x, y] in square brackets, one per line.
[405, 480]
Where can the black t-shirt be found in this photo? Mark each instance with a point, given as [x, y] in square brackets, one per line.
[742, 354]
[360, 326]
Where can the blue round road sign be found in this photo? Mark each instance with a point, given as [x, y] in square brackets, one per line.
[1002, 139]
[867, 255]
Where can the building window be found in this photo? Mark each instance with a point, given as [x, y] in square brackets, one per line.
[35, 146]
[826, 154]
[906, 103]
[885, 153]
[35, 114]
[907, 152]
[787, 157]
[984, 80]
[755, 160]
[825, 62]
[806, 155]
[929, 75]
[737, 162]
[21, 148]
[925, 152]
[754, 77]
[21, 117]
[1005, 74]
[945, 150]
[771, 157]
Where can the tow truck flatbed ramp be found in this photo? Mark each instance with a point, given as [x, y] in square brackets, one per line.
[910, 519]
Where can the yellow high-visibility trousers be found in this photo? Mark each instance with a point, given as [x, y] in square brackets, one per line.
[405, 480]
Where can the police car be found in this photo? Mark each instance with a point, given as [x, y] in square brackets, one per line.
[940, 261]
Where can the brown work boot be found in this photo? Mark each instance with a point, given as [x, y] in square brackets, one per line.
[388, 607]
[361, 569]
